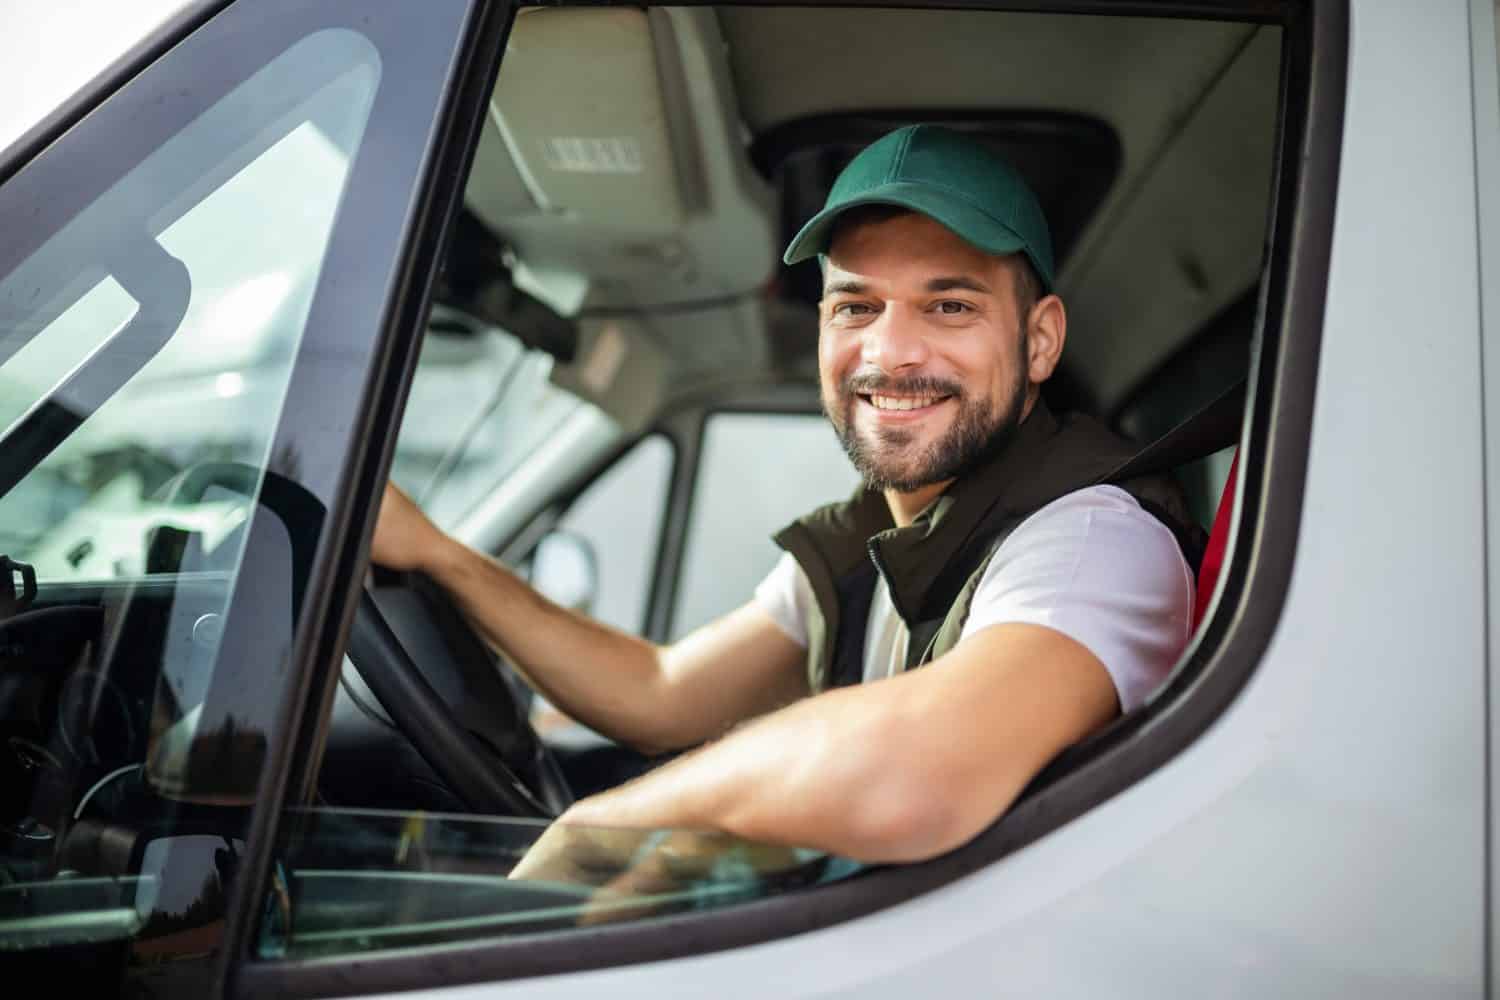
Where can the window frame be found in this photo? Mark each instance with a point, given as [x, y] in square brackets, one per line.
[690, 419]
[1484, 26]
[368, 447]
[1237, 630]
[551, 518]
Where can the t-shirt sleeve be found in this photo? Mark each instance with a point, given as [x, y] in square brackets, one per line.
[1101, 570]
[786, 595]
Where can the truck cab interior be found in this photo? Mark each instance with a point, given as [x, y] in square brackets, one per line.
[610, 287]
[627, 206]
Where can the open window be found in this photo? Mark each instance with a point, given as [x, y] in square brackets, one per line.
[640, 169]
[574, 214]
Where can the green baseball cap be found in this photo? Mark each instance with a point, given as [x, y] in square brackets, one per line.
[947, 176]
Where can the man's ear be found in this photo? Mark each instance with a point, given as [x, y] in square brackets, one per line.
[1047, 332]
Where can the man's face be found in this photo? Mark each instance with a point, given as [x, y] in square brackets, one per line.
[922, 355]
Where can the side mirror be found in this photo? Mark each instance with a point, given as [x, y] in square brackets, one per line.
[565, 570]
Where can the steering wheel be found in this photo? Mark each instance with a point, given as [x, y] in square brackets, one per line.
[454, 706]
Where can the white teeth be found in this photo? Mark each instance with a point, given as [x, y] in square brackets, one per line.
[902, 402]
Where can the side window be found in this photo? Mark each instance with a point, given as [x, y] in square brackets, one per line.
[84, 513]
[757, 472]
[641, 171]
[146, 348]
[601, 558]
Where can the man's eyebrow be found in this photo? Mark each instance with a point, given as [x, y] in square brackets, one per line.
[845, 286]
[947, 283]
[957, 283]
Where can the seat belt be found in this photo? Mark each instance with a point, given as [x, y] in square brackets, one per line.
[1212, 427]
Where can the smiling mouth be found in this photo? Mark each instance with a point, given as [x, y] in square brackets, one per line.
[886, 402]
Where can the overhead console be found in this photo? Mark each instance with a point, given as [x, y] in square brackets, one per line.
[613, 162]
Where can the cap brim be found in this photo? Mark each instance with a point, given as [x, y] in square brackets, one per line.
[969, 223]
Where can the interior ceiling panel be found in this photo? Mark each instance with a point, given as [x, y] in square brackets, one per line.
[1188, 241]
[596, 146]
[1192, 103]
[613, 150]
[794, 62]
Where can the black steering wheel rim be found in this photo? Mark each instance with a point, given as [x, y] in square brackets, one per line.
[486, 779]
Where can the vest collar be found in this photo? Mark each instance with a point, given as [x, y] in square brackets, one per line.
[927, 564]
[912, 558]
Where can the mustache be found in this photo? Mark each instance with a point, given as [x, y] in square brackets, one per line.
[868, 382]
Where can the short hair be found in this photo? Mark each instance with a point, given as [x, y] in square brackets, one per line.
[863, 215]
[1028, 284]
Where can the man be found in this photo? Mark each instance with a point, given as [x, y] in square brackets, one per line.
[1038, 604]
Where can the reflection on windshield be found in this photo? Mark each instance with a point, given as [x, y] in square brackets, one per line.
[152, 335]
[360, 880]
[211, 392]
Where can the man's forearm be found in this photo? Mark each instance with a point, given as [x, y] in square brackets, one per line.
[825, 773]
[607, 679]
[899, 770]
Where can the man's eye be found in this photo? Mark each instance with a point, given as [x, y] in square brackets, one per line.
[952, 307]
[852, 309]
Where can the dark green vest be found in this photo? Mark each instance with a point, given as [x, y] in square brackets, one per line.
[933, 565]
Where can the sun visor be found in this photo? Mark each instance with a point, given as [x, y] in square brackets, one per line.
[614, 151]
[579, 106]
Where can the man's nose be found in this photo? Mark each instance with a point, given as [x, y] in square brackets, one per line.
[895, 340]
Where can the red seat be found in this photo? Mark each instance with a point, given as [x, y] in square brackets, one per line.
[1213, 555]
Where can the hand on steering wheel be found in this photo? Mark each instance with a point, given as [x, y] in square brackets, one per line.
[513, 775]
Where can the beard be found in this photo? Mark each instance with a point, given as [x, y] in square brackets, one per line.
[891, 458]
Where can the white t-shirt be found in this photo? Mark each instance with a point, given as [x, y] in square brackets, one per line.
[1092, 565]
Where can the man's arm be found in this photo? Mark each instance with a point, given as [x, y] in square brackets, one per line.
[899, 770]
[652, 697]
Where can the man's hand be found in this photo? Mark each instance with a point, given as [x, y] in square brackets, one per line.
[405, 539]
[579, 855]
[638, 872]
[628, 871]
